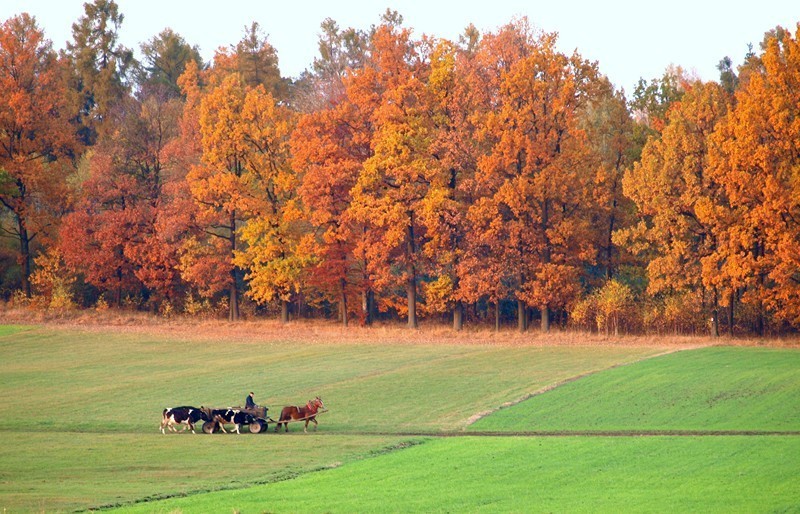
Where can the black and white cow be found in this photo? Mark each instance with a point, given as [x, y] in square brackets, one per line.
[235, 417]
[182, 416]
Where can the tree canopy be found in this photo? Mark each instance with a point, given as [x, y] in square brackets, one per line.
[490, 179]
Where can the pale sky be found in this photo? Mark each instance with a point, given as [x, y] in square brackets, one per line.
[629, 39]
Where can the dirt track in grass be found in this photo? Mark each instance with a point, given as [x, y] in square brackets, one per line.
[586, 433]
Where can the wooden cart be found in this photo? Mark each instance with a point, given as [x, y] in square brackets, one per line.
[260, 423]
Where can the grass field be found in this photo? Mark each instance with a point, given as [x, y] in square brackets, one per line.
[12, 329]
[398, 436]
[79, 409]
[535, 474]
[611, 473]
[710, 389]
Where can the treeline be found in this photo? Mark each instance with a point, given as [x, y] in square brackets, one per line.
[487, 179]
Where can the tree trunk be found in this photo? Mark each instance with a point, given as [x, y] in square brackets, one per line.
[522, 316]
[458, 310]
[458, 315]
[411, 284]
[760, 325]
[715, 323]
[545, 319]
[25, 257]
[343, 303]
[730, 313]
[233, 299]
[545, 260]
[411, 293]
[715, 316]
[367, 301]
[118, 291]
[233, 314]
[284, 311]
[497, 316]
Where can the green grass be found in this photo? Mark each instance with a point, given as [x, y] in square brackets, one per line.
[65, 471]
[535, 474]
[12, 329]
[91, 402]
[711, 389]
[366, 387]
[79, 411]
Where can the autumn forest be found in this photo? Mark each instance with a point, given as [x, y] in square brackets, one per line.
[488, 181]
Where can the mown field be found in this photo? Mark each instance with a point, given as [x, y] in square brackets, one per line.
[398, 435]
[718, 389]
[534, 474]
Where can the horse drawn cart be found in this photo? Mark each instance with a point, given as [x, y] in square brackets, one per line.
[257, 421]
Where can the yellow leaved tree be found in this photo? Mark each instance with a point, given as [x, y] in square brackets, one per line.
[672, 187]
[756, 155]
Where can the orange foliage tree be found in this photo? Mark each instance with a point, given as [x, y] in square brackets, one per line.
[423, 173]
[535, 179]
[756, 155]
[37, 139]
[457, 100]
[394, 182]
[112, 235]
[221, 186]
[672, 188]
[239, 187]
[610, 134]
[274, 249]
[105, 221]
[329, 148]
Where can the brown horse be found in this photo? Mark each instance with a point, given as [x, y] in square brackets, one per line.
[295, 413]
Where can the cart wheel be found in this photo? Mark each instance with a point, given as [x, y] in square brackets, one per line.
[255, 427]
[209, 427]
